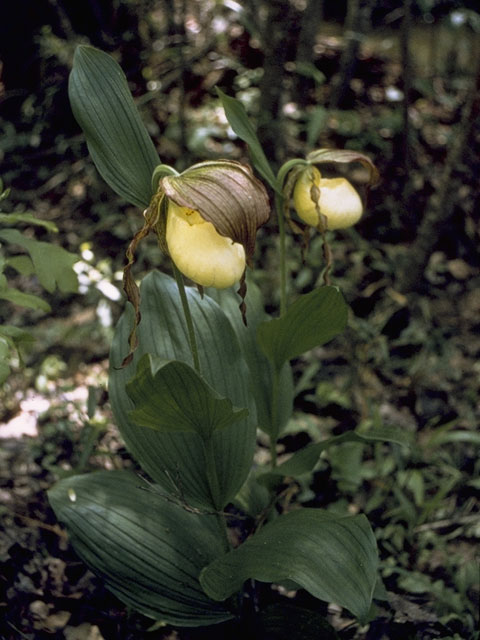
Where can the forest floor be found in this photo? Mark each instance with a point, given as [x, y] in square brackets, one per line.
[408, 359]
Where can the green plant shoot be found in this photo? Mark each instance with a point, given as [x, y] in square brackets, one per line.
[195, 371]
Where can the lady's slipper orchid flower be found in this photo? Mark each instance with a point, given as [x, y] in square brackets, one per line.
[206, 220]
[214, 210]
[334, 198]
[324, 203]
[199, 252]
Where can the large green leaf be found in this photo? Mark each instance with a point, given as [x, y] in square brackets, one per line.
[241, 125]
[334, 558]
[53, 265]
[116, 137]
[306, 459]
[148, 550]
[176, 460]
[171, 396]
[261, 370]
[309, 322]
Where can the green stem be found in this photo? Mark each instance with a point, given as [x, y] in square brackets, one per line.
[282, 182]
[279, 204]
[287, 167]
[92, 434]
[211, 468]
[274, 417]
[211, 471]
[188, 317]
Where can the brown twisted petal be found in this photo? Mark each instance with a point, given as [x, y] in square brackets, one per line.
[225, 193]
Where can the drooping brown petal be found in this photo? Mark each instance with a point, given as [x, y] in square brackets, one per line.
[225, 193]
[129, 284]
[242, 292]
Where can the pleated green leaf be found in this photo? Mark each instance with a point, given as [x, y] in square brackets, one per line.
[261, 370]
[309, 322]
[334, 558]
[171, 396]
[116, 137]
[176, 460]
[148, 550]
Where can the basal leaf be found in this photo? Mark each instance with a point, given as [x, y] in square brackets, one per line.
[116, 137]
[171, 396]
[309, 322]
[148, 550]
[334, 558]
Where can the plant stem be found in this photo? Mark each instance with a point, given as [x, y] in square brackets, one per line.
[188, 317]
[283, 192]
[279, 204]
[274, 418]
[211, 471]
[92, 434]
[222, 524]
[211, 468]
